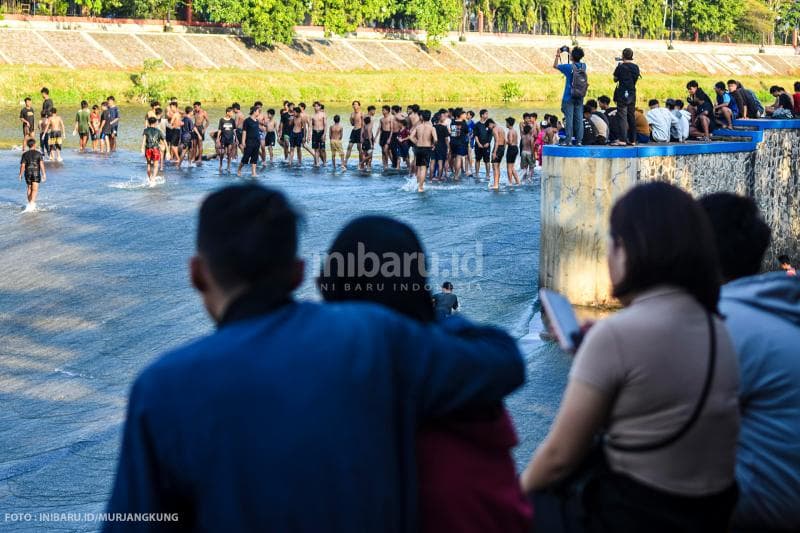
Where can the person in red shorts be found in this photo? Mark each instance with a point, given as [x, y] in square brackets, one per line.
[152, 145]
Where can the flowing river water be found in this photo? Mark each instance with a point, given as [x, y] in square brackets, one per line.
[94, 285]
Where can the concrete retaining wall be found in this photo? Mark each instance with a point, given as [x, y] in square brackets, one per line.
[579, 186]
[107, 43]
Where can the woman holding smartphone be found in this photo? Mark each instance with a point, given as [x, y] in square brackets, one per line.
[657, 381]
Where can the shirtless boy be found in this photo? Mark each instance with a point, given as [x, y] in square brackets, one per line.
[423, 137]
[336, 132]
[298, 136]
[386, 134]
[357, 121]
[270, 128]
[512, 140]
[318, 126]
[200, 124]
[367, 143]
[498, 152]
[55, 135]
[174, 133]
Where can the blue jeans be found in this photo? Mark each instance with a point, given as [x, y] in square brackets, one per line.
[573, 120]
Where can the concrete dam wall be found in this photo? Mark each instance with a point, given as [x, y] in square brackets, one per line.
[579, 186]
[80, 43]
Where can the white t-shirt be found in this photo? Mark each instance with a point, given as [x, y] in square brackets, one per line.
[600, 125]
[680, 129]
[661, 121]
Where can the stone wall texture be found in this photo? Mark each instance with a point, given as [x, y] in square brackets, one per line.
[578, 193]
[776, 190]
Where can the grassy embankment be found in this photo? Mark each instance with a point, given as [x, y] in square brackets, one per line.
[69, 87]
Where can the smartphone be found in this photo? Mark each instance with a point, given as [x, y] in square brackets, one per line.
[562, 318]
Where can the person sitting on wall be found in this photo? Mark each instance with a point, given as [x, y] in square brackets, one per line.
[703, 121]
[680, 129]
[661, 122]
[796, 99]
[726, 109]
[642, 127]
[782, 108]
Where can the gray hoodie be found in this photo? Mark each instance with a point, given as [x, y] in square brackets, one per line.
[763, 317]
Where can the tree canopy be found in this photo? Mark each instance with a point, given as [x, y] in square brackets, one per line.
[268, 22]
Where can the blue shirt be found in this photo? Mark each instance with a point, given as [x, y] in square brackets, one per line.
[763, 318]
[301, 419]
[566, 70]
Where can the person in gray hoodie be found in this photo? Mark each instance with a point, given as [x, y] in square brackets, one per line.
[762, 312]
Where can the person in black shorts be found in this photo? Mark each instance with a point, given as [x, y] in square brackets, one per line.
[32, 167]
[251, 141]
[512, 142]
[28, 118]
[483, 143]
[227, 138]
[441, 147]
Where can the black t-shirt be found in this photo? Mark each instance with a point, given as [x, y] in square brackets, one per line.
[252, 130]
[459, 132]
[47, 106]
[626, 74]
[589, 132]
[286, 122]
[785, 101]
[708, 109]
[445, 303]
[227, 126]
[442, 133]
[29, 116]
[482, 133]
[32, 158]
[105, 116]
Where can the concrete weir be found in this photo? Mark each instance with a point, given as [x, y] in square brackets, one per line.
[761, 159]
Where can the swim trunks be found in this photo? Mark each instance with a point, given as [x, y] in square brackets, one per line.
[250, 156]
[296, 139]
[355, 136]
[422, 156]
[511, 155]
[384, 139]
[366, 146]
[336, 147]
[459, 148]
[152, 154]
[316, 139]
[527, 160]
[440, 153]
[500, 152]
[174, 136]
[482, 154]
[269, 140]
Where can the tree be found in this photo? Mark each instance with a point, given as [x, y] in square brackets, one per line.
[265, 21]
[435, 17]
[648, 17]
[558, 13]
[344, 16]
[96, 7]
[757, 18]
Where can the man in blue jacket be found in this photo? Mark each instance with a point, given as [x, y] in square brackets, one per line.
[292, 416]
[763, 316]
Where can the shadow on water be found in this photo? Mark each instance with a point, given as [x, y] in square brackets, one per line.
[95, 286]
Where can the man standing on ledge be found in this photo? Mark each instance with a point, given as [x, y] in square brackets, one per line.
[262, 425]
[626, 75]
[574, 92]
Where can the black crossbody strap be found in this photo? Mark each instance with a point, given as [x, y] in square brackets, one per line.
[712, 363]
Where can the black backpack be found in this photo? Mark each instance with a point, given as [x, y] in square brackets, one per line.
[580, 83]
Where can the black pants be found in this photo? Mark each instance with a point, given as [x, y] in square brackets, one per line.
[626, 121]
[614, 503]
[622, 504]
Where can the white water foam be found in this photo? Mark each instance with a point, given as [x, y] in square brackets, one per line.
[134, 183]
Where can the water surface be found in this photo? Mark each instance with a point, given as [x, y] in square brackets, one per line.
[94, 286]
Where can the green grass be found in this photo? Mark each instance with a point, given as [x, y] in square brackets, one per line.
[69, 87]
